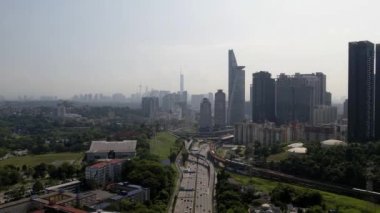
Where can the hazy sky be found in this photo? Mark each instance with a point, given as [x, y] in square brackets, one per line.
[71, 47]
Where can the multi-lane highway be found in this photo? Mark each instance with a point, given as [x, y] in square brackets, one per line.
[197, 184]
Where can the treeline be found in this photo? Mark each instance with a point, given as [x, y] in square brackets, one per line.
[10, 174]
[283, 195]
[147, 171]
[40, 131]
[229, 197]
[350, 165]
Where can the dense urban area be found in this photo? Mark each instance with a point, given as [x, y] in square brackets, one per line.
[174, 153]
[96, 114]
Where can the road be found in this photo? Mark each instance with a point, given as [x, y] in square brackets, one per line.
[197, 184]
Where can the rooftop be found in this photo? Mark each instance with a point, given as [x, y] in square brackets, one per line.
[298, 150]
[116, 146]
[333, 142]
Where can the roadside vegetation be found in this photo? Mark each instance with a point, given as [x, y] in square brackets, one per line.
[148, 171]
[50, 158]
[330, 200]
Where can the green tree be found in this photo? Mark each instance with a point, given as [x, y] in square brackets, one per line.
[37, 187]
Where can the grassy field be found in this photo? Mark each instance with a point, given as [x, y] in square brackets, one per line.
[278, 157]
[161, 144]
[51, 158]
[332, 201]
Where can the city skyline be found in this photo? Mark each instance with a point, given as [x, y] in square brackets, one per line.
[66, 48]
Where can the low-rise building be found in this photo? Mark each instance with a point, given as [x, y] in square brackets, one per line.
[323, 114]
[132, 191]
[111, 150]
[104, 172]
[266, 134]
[71, 186]
[56, 200]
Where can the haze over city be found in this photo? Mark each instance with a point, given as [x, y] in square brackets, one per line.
[72, 47]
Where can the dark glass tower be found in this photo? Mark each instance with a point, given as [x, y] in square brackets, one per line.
[236, 90]
[220, 110]
[377, 92]
[263, 97]
[360, 91]
[294, 99]
[205, 119]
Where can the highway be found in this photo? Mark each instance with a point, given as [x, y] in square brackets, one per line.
[197, 185]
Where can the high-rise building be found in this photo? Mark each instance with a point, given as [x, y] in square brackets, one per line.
[236, 90]
[360, 91]
[294, 99]
[318, 82]
[323, 114]
[205, 119]
[377, 93]
[181, 83]
[345, 108]
[149, 106]
[220, 110]
[196, 100]
[263, 97]
[327, 99]
[322, 86]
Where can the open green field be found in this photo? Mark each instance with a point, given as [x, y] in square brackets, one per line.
[278, 157]
[332, 201]
[51, 158]
[161, 144]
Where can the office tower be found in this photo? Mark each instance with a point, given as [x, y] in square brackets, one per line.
[181, 83]
[61, 110]
[205, 120]
[220, 110]
[377, 92]
[236, 90]
[323, 114]
[318, 83]
[327, 99]
[210, 97]
[294, 99]
[322, 86]
[196, 100]
[263, 97]
[345, 108]
[149, 106]
[360, 91]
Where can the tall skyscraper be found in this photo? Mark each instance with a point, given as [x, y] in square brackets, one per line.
[149, 106]
[345, 109]
[181, 83]
[205, 119]
[322, 86]
[318, 82]
[377, 92]
[236, 90]
[263, 97]
[220, 110]
[294, 99]
[328, 99]
[360, 91]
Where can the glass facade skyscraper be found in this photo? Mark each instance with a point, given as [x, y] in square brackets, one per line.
[236, 90]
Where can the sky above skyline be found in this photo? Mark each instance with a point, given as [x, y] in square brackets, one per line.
[63, 48]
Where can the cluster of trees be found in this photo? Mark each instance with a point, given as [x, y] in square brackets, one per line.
[147, 171]
[262, 152]
[9, 175]
[62, 172]
[174, 151]
[229, 197]
[39, 131]
[350, 165]
[283, 195]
